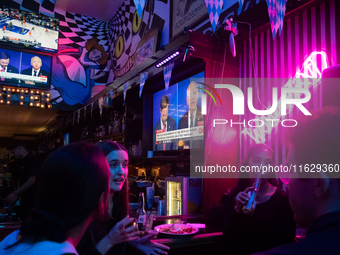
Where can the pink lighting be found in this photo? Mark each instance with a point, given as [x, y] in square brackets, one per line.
[309, 75]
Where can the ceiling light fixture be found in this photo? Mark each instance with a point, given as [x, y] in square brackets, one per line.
[170, 56]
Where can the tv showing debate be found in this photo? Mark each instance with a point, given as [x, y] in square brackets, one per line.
[25, 69]
[178, 122]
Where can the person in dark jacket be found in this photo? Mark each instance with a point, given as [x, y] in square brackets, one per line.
[272, 222]
[315, 195]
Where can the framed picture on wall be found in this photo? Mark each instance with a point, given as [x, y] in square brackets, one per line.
[186, 13]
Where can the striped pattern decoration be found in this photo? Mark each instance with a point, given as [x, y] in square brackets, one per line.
[316, 29]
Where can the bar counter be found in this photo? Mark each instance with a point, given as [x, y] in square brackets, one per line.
[208, 239]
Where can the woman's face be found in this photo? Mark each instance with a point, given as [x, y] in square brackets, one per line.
[118, 162]
[260, 158]
[95, 55]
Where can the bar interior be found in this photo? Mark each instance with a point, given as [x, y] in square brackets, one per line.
[201, 109]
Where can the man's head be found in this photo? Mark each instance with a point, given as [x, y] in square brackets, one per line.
[4, 59]
[18, 149]
[36, 63]
[164, 108]
[315, 141]
[192, 96]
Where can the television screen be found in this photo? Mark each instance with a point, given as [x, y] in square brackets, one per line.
[66, 139]
[25, 69]
[178, 122]
[28, 30]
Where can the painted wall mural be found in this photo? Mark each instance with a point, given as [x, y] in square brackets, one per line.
[127, 29]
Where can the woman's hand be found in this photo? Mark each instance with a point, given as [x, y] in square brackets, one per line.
[241, 199]
[149, 247]
[118, 234]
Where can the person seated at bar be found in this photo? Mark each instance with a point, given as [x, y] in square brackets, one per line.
[109, 237]
[272, 223]
[315, 196]
[27, 169]
[73, 190]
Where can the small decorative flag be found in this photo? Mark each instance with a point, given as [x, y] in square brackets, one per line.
[276, 11]
[125, 89]
[142, 80]
[240, 6]
[214, 8]
[139, 6]
[167, 73]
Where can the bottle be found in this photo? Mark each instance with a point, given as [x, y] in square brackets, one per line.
[249, 208]
[141, 214]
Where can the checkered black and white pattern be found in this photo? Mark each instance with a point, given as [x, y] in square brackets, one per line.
[74, 29]
[155, 15]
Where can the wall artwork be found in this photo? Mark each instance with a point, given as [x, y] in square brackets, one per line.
[186, 13]
[128, 33]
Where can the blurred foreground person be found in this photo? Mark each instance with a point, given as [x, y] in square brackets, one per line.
[315, 196]
[27, 170]
[73, 190]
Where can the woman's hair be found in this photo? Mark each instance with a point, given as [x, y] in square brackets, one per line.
[71, 182]
[92, 44]
[121, 198]
[244, 180]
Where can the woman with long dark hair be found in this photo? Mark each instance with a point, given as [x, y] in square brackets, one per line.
[272, 222]
[109, 237]
[73, 190]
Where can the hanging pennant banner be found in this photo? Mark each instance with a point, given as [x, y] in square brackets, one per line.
[240, 6]
[91, 108]
[125, 89]
[214, 8]
[167, 73]
[78, 117]
[142, 79]
[276, 12]
[139, 6]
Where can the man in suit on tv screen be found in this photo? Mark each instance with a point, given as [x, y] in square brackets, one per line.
[35, 70]
[193, 117]
[5, 67]
[165, 123]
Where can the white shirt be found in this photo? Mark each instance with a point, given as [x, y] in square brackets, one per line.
[194, 117]
[36, 71]
[3, 68]
[165, 125]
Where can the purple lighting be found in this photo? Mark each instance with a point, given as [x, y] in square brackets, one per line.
[167, 59]
[309, 75]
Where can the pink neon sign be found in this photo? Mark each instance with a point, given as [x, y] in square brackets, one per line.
[309, 75]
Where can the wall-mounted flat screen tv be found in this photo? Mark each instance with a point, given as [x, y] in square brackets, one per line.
[178, 122]
[28, 30]
[25, 69]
